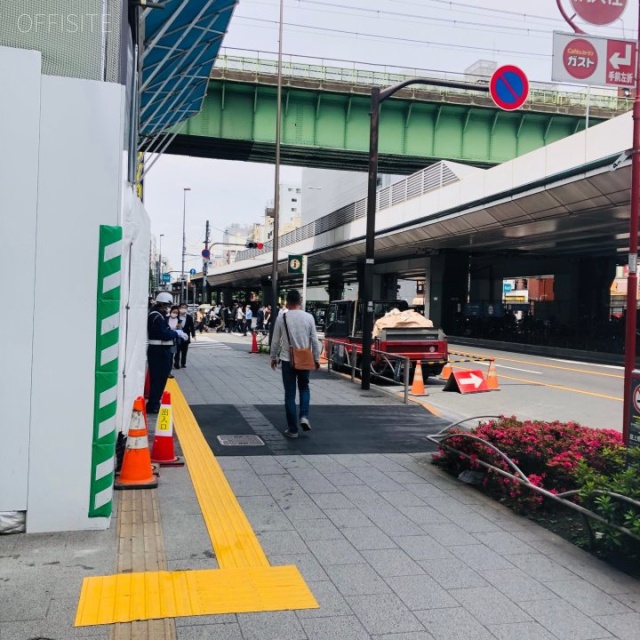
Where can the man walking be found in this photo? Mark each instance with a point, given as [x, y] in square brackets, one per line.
[301, 329]
[161, 340]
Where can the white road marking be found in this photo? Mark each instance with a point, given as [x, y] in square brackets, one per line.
[589, 364]
[504, 366]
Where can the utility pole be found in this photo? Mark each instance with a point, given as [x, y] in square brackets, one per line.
[205, 265]
[276, 196]
[184, 240]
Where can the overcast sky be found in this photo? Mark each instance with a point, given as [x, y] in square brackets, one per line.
[427, 34]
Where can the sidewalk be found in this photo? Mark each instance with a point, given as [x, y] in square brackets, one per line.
[390, 547]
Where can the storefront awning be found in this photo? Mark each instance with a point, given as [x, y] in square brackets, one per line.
[182, 40]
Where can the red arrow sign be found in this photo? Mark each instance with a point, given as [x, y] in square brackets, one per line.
[466, 382]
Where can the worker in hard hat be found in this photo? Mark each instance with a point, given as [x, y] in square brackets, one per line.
[159, 355]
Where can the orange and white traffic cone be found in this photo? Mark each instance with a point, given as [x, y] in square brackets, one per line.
[136, 472]
[417, 388]
[492, 377]
[447, 370]
[162, 450]
[254, 343]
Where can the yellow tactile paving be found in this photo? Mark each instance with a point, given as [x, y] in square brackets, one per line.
[233, 539]
[245, 581]
[166, 594]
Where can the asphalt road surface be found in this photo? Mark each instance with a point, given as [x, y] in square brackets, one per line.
[537, 387]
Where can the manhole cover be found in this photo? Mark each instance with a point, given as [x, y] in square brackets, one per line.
[240, 441]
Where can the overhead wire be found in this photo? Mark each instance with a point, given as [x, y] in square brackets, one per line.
[388, 38]
[396, 16]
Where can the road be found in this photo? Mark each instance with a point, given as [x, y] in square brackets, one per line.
[536, 387]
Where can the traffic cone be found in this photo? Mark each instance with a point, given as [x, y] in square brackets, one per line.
[136, 472]
[254, 343]
[162, 450]
[492, 377]
[417, 388]
[447, 370]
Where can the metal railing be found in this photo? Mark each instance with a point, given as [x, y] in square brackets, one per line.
[296, 67]
[433, 177]
[397, 363]
[521, 478]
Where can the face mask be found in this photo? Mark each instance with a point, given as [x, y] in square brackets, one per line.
[174, 315]
[183, 312]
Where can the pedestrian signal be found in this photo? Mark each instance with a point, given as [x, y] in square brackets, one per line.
[255, 245]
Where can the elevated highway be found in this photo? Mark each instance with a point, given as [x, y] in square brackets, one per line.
[325, 121]
[558, 210]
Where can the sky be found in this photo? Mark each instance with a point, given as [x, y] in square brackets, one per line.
[438, 35]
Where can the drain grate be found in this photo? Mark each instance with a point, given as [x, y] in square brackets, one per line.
[241, 441]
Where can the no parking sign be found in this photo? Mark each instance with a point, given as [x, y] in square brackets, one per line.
[509, 87]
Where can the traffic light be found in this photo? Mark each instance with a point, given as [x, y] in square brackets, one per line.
[255, 245]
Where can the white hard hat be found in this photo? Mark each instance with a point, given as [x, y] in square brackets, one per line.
[164, 297]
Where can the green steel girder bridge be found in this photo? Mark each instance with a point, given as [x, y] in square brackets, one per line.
[326, 119]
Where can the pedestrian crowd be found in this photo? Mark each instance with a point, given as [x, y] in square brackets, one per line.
[234, 318]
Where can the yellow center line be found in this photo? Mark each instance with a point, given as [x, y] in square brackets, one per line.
[245, 582]
[537, 383]
[499, 359]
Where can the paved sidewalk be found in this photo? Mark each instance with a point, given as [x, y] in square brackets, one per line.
[392, 548]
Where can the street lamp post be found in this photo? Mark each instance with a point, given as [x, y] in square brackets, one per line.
[378, 96]
[160, 262]
[184, 240]
[276, 196]
[631, 320]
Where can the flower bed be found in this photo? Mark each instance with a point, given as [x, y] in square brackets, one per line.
[557, 457]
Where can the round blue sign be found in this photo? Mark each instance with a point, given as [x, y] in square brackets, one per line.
[192, 272]
[206, 254]
[509, 87]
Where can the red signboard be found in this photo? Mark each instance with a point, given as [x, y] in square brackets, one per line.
[466, 382]
[580, 58]
[621, 62]
[599, 11]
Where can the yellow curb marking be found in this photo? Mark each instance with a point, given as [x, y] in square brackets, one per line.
[499, 359]
[537, 383]
[245, 581]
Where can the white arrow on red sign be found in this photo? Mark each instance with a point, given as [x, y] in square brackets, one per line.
[617, 61]
[473, 379]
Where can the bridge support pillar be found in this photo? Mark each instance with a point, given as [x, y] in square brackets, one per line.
[336, 287]
[265, 291]
[485, 289]
[447, 284]
[594, 288]
[388, 286]
[225, 295]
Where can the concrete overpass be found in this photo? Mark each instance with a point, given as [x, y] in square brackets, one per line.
[557, 210]
[326, 119]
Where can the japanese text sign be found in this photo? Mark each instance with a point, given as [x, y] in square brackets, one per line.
[593, 61]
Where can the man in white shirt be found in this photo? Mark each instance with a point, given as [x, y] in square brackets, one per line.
[301, 327]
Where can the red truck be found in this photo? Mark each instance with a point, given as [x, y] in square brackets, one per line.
[343, 331]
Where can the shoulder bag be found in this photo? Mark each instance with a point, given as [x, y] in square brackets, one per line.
[300, 359]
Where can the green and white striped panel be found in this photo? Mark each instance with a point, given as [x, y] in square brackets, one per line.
[106, 372]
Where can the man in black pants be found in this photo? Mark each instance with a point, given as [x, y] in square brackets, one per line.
[161, 339]
[188, 326]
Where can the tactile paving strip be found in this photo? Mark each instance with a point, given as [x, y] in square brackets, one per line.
[245, 581]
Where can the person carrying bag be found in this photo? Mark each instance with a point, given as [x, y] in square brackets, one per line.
[296, 341]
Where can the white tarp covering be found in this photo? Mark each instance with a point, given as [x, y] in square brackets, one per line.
[396, 318]
[133, 311]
